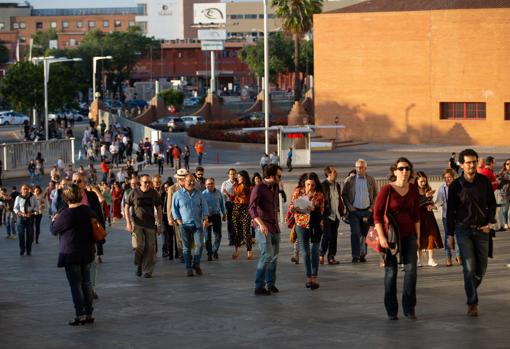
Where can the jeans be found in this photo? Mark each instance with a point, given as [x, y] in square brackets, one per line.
[189, 233]
[449, 251]
[81, 288]
[37, 226]
[269, 247]
[200, 155]
[358, 220]
[229, 205]
[26, 234]
[503, 211]
[215, 229]
[330, 237]
[310, 256]
[10, 223]
[474, 251]
[409, 259]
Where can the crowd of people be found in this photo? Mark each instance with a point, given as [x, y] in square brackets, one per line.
[189, 209]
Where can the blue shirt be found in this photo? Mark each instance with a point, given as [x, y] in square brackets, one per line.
[361, 198]
[189, 208]
[214, 201]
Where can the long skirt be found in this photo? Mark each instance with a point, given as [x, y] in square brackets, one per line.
[241, 223]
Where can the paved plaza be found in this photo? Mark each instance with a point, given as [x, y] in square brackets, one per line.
[219, 310]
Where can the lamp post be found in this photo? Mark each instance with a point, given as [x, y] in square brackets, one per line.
[266, 81]
[47, 61]
[94, 61]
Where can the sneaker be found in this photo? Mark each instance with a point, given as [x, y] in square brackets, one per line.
[215, 255]
[13, 237]
[273, 289]
[505, 227]
[189, 272]
[209, 258]
[419, 263]
[432, 262]
[261, 291]
[472, 310]
[294, 260]
[197, 269]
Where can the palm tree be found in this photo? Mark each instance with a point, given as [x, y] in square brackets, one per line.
[297, 19]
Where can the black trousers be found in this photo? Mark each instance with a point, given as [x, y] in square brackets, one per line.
[229, 206]
[169, 242]
[329, 238]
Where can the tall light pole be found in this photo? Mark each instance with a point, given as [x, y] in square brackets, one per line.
[47, 61]
[266, 80]
[94, 61]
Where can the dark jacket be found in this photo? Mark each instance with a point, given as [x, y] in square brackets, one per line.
[326, 187]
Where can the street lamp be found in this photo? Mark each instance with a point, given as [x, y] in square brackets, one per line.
[94, 61]
[266, 81]
[47, 61]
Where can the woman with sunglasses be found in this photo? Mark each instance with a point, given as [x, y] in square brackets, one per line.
[504, 185]
[399, 199]
[241, 220]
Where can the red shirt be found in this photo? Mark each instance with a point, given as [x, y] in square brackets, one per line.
[487, 172]
[406, 208]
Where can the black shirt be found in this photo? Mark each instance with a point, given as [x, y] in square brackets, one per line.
[470, 204]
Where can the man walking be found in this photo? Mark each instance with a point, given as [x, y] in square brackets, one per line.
[142, 223]
[263, 208]
[217, 213]
[227, 189]
[359, 194]
[470, 213]
[189, 210]
[24, 207]
[333, 211]
[180, 176]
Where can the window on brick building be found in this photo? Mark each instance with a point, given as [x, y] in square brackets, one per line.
[22, 25]
[65, 24]
[106, 24]
[15, 25]
[250, 16]
[53, 25]
[507, 111]
[79, 24]
[92, 24]
[117, 23]
[462, 110]
[38, 25]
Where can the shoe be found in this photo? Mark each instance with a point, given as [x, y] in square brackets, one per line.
[419, 263]
[147, 275]
[37, 242]
[308, 284]
[139, 271]
[505, 227]
[362, 259]
[321, 259]
[432, 262]
[261, 291]
[209, 258]
[197, 269]
[8, 237]
[411, 316]
[215, 255]
[89, 320]
[76, 322]
[314, 286]
[29, 253]
[355, 260]
[333, 261]
[189, 272]
[392, 317]
[449, 262]
[21, 253]
[99, 260]
[472, 310]
[458, 260]
[13, 237]
[273, 289]
[249, 255]
[294, 260]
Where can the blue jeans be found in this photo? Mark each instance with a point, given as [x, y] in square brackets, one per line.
[189, 233]
[505, 205]
[269, 247]
[446, 247]
[26, 234]
[474, 251]
[81, 288]
[358, 220]
[10, 223]
[214, 228]
[311, 257]
[200, 155]
[408, 258]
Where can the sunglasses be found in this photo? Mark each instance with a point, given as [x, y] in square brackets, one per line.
[77, 181]
[404, 168]
[145, 182]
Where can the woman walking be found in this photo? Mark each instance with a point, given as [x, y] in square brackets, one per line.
[116, 198]
[308, 205]
[430, 237]
[241, 220]
[38, 214]
[398, 201]
[73, 226]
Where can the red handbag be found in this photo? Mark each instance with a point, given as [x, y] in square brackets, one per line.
[372, 240]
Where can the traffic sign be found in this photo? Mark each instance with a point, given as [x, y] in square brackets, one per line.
[213, 45]
[212, 34]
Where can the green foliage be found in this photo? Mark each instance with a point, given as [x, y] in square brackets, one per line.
[22, 88]
[41, 45]
[172, 97]
[4, 53]
[297, 16]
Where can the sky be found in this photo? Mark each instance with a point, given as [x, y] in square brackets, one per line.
[82, 3]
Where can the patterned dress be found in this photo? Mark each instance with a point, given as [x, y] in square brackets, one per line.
[430, 237]
[241, 220]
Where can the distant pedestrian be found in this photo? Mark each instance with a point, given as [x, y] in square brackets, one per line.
[264, 161]
[289, 159]
[199, 148]
[24, 207]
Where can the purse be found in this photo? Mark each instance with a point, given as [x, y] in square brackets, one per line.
[98, 232]
[391, 228]
[372, 240]
[293, 234]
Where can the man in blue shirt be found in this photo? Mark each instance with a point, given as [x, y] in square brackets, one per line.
[189, 210]
[217, 212]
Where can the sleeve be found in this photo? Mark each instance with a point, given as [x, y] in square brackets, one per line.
[175, 207]
[254, 201]
[205, 209]
[60, 224]
[491, 204]
[320, 201]
[450, 209]
[440, 199]
[157, 199]
[16, 208]
[222, 204]
[54, 202]
[380, 202]
[35, 204]
[373, 191]
[169, 199]
[345, 195]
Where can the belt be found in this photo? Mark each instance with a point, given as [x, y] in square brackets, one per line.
[361, 209]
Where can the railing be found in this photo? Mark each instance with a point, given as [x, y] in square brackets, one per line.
[16, 156]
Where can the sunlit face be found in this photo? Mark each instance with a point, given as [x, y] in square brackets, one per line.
[25, 190]
[448, 179]
[422, 182]
[209, 184]
[156, 182]
[403, 171]
[257, 180]
[232, 174]
[78, 179]
[469, 165]
[240, 179]
[145, 183]
[133, 183]
[309, 186]
[361, 168]
[37, 191]
[189, 183]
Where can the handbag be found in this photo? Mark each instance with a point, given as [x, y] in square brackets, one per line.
[372, 240]
[293, 234]
[391, 228]
[98, 232]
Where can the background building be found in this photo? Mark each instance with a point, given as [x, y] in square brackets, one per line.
[415, 71]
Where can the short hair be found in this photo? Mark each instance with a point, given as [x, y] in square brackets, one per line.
[231, 169]
[271, 170]
[72, 194]
[199, 168]
[489, 159]
[393, 168]
[363, 161]
[144, 175]
[328, 169]
[210, 179]
[467, 152]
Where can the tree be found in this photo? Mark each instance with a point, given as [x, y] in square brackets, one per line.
[4, 53]
[297, 19]
[41, 44]
[172, 97]
[22, 86]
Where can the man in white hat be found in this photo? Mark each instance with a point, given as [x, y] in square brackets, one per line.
[179, 183]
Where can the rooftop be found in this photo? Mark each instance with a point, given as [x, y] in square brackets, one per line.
[87, 11]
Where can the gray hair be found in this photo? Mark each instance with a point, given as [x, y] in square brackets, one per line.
[363, 161]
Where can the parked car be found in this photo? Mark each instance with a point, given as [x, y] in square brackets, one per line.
[12, 118]
[191, 120]
[69, 113]
[176, 124]
[162, 123]
[191, 101]
[136, 103]
[113, 105]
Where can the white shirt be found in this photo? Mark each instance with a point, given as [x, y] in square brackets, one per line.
[227, 186]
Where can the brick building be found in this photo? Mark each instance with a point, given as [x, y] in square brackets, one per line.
[415, 71]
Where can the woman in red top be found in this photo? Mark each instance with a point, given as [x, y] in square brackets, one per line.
[400, 198]
[241, 220]
[116, 201]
